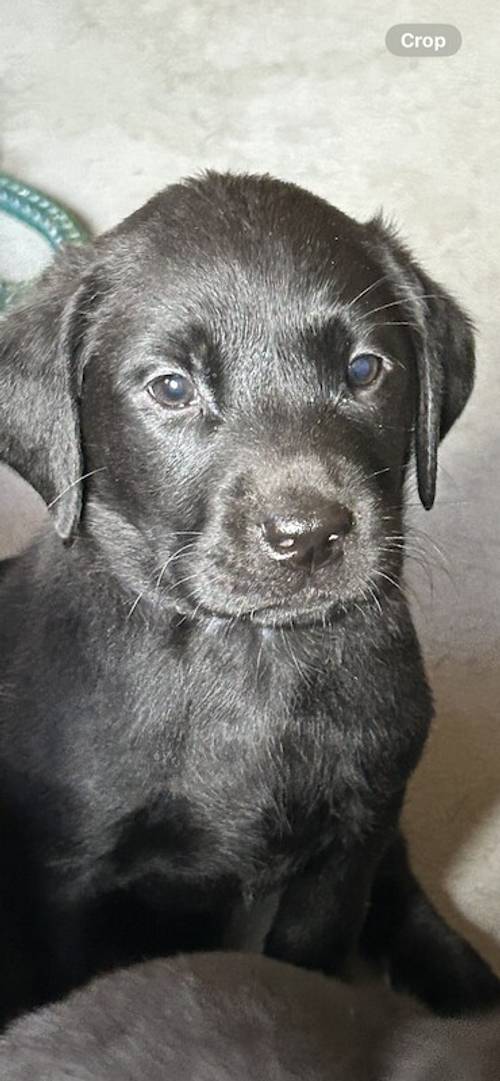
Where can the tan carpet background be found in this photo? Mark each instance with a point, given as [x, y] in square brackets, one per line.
[103, 103]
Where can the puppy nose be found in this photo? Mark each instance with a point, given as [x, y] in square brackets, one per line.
[308, 540]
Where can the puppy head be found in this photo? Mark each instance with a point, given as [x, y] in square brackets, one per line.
[241, 373]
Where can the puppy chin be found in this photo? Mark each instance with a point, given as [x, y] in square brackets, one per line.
[225, 596]
[283, 616]
[302, 610]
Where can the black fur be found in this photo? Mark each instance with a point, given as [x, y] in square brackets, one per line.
[230, 1017]
[186, 722]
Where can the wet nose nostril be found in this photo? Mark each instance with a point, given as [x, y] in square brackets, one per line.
[279, 538]
[308, 540]
[286, 542]
[341, 524]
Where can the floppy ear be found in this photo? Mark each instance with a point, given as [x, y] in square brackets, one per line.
[40, 379]
[445, 355]
[446, 376]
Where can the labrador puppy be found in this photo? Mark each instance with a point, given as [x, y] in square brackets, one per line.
[234, 1017]
[210, 684]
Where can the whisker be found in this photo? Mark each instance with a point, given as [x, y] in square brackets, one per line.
[172, 559]
[393, 582]
[379, 472]
[417, 533]
[398, 323]
[259, 656]
[184, 533]
[393, 323]
[415, 297]
[372, 592]
[367, 290]
[383, 307]
[413, 547]
[188, 578]
[407, 592]
[134, 605]
[74, 483]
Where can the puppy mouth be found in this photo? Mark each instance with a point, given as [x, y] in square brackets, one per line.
[306, 604]
[234, 592]
[268, 617]
[278, 613]
[275, 614]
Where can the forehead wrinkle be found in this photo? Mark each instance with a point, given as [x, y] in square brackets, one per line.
[251, 309]
[271, 309]
[274, 280]
[258, 339]
[277, 367]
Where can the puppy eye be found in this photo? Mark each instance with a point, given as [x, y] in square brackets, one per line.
[363, 370]
[173, 391]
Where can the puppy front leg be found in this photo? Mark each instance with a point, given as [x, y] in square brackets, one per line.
[323, 909]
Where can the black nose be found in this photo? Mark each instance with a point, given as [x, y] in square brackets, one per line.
[308, 540]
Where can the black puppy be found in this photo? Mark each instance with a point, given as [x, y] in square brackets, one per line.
[211, 686]
[230, 1017]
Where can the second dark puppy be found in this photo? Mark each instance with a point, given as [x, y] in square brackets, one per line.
[211, 687]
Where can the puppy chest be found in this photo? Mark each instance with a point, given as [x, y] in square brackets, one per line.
[248, 809]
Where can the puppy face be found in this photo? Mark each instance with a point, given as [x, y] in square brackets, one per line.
[253, 372]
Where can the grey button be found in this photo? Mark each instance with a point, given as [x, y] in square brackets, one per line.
[423, 39]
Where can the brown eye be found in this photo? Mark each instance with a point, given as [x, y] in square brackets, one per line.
[363, 370]
[173, 391]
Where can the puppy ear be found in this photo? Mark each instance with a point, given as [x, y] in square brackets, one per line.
[446, 364]
[40, 379]
[444, 350]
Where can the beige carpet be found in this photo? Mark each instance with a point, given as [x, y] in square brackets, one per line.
[103, 103]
